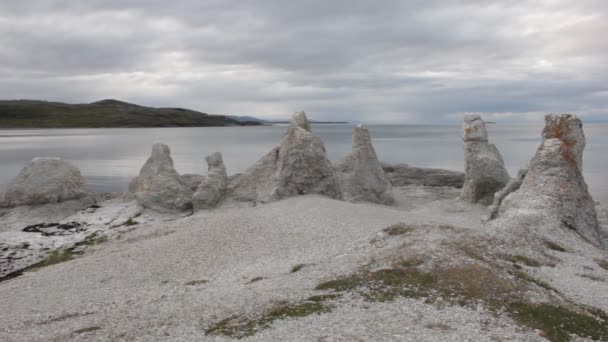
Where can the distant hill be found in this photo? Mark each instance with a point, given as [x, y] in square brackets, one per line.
[248, 119]
[106, 113]
[270, 122]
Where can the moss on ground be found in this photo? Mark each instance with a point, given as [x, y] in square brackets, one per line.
[55, 257]
[130, 222]
[240, 327]
[411, 262]
[95, 240]
[554, 246]
[399, 229]
[603, 264]
[522, 259]
[528, 278]
[558, 323]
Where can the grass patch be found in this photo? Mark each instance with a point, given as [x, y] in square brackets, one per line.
[558, 323]
[528, 278]
[522, 259]
[462, 285]
[411, 262]
[95, 240]
[130, 222]
[240, 327]
[55, 257]
[196, 282]
[298, 267]
[554, 246]
[86, 330]
[603, 264]
[342, 284]
[399, 229]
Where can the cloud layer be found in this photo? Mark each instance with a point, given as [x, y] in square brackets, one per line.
[358, 60]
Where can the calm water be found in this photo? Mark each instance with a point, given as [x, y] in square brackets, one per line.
[109, 158]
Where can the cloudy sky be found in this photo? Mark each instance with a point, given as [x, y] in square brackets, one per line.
[371, 61]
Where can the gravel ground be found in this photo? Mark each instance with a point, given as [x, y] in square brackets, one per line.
[135, 287]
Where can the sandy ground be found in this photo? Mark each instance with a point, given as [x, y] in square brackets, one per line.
[134, 287]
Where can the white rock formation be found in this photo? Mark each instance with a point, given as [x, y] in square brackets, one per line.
[298, 166]
[213, 187]
[360, 173]
[159, 186]
[485, 172]
[47, 181]
[554, 190]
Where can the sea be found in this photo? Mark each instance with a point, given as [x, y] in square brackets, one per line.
[110, 157]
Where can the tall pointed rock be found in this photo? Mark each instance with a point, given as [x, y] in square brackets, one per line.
[361, 175]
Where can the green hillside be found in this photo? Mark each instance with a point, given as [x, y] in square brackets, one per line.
[106, 113]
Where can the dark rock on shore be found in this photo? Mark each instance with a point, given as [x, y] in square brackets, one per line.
[403, 174]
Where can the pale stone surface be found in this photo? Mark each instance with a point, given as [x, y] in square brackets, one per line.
[159, 186]
[45, 181]
[299, 119]
[298, 166]
[554, 189]
[360, 173]
[474, 129]
[511, 186]
[213, 187]
[191, 180]
[485, 172]
[403, 174]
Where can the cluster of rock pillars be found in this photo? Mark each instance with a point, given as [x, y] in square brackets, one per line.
[552, 185]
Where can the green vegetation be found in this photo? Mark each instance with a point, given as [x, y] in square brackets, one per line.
[240, 327]
[603, 264]
[558, 323]
[411, 262]
[106, 113]
[95, 240]
[55, 257]
[399, 229]
[554, 246]
[526, 277]
[130, 222]
[86, 330]
[524, 260]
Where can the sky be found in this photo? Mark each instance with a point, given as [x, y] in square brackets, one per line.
[418, 61]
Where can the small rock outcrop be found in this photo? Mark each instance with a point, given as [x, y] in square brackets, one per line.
[554, 188]
[159, 186]
[403, 174]
[360, 173]
[485, 172]
[298, 166]
[213, 187]
[47, 181]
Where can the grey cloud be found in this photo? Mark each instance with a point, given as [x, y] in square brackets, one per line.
[358, 60]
